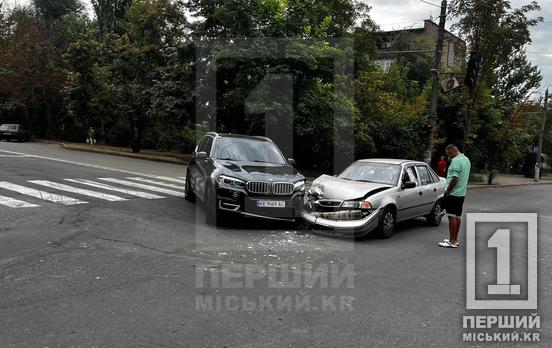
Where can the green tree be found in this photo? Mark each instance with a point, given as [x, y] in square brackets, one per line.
[131, 67]
[500, 33]
[51, 10]
[109, 13]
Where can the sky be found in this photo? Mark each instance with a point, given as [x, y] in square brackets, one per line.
[399, 14]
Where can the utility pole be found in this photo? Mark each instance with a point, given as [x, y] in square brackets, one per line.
[474, 65]
[436, 83]
[541, 138]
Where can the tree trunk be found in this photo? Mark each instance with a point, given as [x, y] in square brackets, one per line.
[48, 120]
[135, 134]
[490, 178]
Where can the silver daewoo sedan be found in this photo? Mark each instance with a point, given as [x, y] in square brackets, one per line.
[373, 195]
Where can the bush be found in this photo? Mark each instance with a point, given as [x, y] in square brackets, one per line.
[476, 179]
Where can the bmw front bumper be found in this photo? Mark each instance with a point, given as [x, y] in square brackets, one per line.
[240, 202]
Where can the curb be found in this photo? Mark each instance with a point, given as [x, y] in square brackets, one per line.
[484, 187]
[128, 155]
[44, 141]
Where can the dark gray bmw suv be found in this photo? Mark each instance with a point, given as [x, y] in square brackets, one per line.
[237, 174]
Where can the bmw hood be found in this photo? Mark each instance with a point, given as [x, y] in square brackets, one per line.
[330, 187]
[255, 171]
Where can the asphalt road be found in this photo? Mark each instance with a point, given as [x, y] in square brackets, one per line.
[115, 267]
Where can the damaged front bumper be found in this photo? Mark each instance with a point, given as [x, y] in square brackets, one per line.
[353, 228]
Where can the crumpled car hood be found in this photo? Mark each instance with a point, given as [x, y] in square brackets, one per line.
[330, 187]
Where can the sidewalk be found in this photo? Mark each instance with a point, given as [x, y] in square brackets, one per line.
[508, 180]
[151, 155]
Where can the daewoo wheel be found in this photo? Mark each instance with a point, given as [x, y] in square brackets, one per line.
[436, 215]
[387, 223]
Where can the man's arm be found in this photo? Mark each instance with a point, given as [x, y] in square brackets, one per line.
[451, 186]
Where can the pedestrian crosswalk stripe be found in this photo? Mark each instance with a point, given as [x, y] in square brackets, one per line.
[155, 182]
[144, 187]
[15, 203]
[46, 196]
[166, 178]
[77, 190]
[100, 185]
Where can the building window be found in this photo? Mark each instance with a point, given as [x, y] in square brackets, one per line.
[451, 59]
[384, 64]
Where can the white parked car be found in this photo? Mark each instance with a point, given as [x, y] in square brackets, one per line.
[373, 195]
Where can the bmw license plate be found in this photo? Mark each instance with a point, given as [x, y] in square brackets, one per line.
[271, 204]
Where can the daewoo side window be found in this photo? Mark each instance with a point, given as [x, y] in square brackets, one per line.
[425, 178]
[410, 175]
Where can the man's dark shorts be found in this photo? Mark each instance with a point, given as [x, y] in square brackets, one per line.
[454, 205]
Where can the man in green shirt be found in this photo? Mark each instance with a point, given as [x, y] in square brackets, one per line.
[455, 193]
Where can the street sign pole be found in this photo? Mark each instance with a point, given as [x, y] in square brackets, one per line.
[538, 163]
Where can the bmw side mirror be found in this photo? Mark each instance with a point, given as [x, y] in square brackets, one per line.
[202, 155]
[292, 162]
[409, 185]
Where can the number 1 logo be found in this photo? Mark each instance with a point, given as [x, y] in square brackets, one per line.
[501, 241]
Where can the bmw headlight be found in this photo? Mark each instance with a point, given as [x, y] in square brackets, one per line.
[299, 186]
[357, 205]
[226, 181]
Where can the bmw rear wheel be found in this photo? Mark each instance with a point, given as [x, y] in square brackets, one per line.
[189, 194]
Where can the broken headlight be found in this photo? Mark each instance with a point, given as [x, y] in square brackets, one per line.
[356, 205]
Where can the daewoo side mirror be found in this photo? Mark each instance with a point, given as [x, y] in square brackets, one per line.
[202, 155]
[292, 162]
[409, 185]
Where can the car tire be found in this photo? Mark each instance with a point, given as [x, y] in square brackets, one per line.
[387, 223]
[189, 194]
[435, 217]
[213, 216]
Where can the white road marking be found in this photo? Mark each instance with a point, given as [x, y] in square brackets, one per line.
[155, 182]
[15, 156]
[116, 189]
[171, 179]
[15, 203]
[182, 177]
[144, 187]
[128, 172]
[46, 196]
[77, 190]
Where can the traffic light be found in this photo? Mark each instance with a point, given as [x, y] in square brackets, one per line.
[474, 65]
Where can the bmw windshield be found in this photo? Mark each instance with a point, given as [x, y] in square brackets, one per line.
[247, 150]
[380, 173]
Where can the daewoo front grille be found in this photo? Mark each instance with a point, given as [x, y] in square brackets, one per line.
[258, 187]
[329, 203]
[282, 188]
